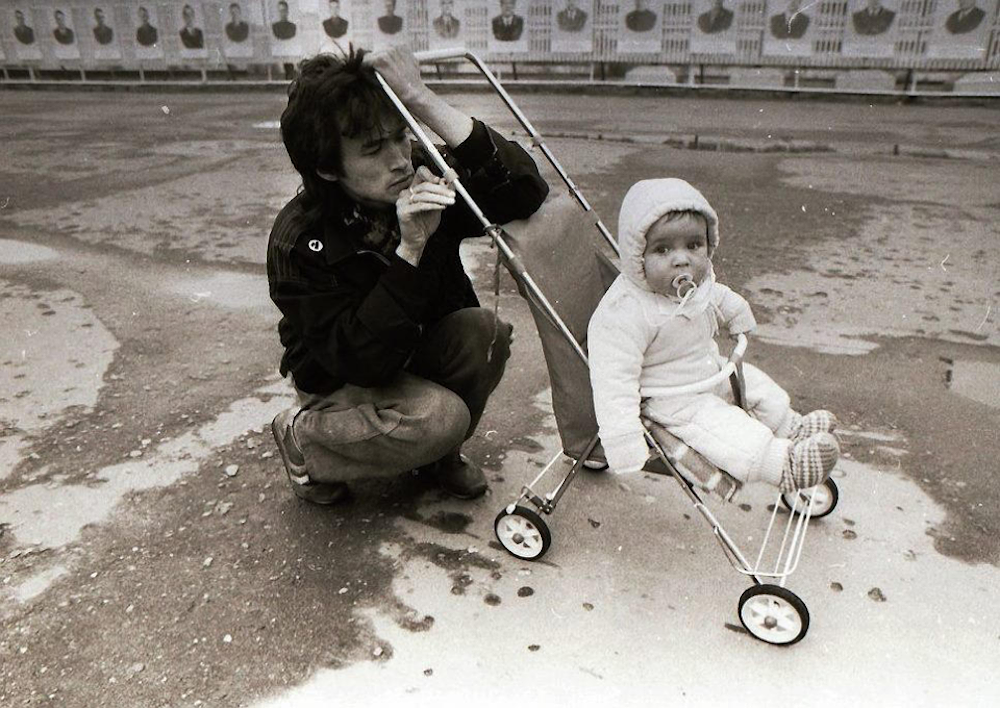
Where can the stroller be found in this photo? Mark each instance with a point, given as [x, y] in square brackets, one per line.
[577, 279]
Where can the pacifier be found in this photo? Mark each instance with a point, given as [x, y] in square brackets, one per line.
[683, 284]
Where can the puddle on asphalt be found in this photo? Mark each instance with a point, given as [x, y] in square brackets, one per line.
[234, 290]
[12, 252]
[975, 380]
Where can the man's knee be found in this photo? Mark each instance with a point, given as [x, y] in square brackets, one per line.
[483, 334]
[444, 421]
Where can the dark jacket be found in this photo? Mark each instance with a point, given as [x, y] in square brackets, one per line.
[104, 34]
[390, 24]
[447, 27]
[868, 23]
[505, 33]
[640, 20]
[571, 22]
[352, 315]
[781, 28]
[146, 35]
[192, 38]
[722, 21]
[237, 31]
[283, 29]
[335, 27]
[64, 35]
[957, 24]
[24, 34]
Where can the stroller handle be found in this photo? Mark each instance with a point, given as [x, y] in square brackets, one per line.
[431, 55]
[436, 55]
[732, 366]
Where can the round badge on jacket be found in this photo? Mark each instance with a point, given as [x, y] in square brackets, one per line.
[316, 245]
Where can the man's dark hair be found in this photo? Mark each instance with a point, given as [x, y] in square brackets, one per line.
[332, 96]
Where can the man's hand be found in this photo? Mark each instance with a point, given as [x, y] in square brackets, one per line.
[401, 71]
[418, 209]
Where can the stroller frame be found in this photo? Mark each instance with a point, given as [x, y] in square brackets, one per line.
[768, 610]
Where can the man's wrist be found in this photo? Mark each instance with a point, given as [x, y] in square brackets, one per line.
[409, 254]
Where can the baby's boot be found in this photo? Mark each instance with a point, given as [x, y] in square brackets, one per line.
[809, 462]
[819, 421]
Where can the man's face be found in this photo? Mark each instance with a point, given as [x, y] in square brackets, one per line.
[570, 4]
[283, 11]
[377, 167]
[793, 6]
[716, 5]
[144, 15]
[507, 7]
[60, 20]
[334, 8]
[446, 7]
[235, 13]
[99, 16]
[19, 18]
[874, 4]
[966, 4]
[390, 7]
[640, 5]
[188, 14]
[676, 247]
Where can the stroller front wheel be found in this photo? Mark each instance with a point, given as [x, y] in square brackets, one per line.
[826, 497]
[774, 614]
[523, 533]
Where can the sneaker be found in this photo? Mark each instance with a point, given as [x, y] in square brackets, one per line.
[809, 462]
[819, 421]
[295, 464]
[459, 477]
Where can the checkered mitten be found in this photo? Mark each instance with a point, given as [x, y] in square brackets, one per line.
[819, 421]
[809, 462]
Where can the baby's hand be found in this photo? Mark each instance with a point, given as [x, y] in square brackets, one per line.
[626, 455]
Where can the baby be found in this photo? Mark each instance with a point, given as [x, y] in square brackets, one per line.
[654, 328]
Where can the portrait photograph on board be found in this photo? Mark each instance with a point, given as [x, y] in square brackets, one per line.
[106, 44]
[961, 29]
[640, 26]
[714, 28]
[508, 31]
[572, 26]
[447, 26]
[872, 28]
[63, 33]
[190, 31]
[147, 32]
[22, 37]
[790, 29]
[282, 19]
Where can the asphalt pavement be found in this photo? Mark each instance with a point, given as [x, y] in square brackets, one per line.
[151, 553]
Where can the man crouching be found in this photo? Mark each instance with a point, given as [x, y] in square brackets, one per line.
[389, 351]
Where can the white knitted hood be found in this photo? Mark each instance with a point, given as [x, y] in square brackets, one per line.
[644, 204]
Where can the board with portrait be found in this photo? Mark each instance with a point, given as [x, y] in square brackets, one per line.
[961, 28]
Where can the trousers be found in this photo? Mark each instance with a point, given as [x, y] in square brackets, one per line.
[424, 413]
[750, 445]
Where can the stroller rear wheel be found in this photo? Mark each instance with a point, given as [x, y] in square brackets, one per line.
[522, 532]
[826, 497]
[774, 614]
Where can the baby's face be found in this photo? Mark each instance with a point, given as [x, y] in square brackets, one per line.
[676, 247]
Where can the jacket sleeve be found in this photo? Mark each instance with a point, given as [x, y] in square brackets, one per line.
[616, 346]
[734, 310]
[363, 339]
[501, 178]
